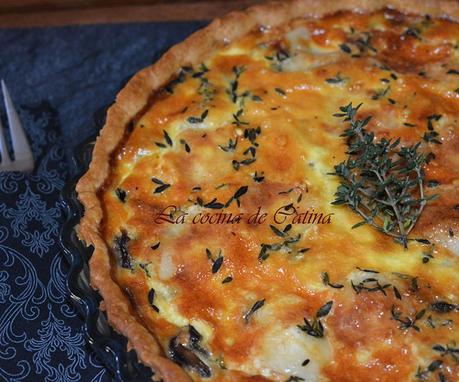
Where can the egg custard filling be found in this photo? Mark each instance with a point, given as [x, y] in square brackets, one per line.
[240, 235]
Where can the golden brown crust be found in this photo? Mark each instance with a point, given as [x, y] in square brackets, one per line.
[135, 96]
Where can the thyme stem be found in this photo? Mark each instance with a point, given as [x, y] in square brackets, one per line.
[380, 181]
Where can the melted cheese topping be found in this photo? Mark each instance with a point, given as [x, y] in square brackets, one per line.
[274, 92]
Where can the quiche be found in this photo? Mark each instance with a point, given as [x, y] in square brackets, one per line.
[277, 198]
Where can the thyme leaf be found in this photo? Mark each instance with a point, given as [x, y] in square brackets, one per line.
[161, 185]
[448, 349]
[258, 305]
[285, 244]
[294, 378]
[231, 146]
[315, 327]
[278, 59]
[407, 322]
[186, 146]
[324, 310]
[335, 80]
[199, 119]
[217, 264]
[326, 281]
[370, 284]
[442, 307]
[227, 279]
[258, 178]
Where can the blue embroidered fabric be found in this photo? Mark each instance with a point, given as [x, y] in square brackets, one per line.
[58, 77]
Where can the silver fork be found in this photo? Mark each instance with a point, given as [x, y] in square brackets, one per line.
[23, 158]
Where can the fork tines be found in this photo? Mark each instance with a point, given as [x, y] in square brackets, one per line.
[23, 158]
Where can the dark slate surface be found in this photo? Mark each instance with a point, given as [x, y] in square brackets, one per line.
[58, 77]
[79, 69]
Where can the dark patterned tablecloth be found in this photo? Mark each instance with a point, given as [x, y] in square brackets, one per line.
[58, 78]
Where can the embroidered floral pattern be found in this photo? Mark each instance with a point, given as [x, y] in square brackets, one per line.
[42, 342]
[54, 336]
[31, 220]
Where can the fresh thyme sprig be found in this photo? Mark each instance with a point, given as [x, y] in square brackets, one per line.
[380, 181]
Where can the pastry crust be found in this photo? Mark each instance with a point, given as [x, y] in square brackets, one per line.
[136, 96]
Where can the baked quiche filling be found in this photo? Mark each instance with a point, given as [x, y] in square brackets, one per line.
[228, 222]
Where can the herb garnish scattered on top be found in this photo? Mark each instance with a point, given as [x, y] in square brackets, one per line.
[294, 378]
[380, 181]
[335, 80]
[258, 305]
[315, 327]
[178, 80]
[407, 322]
[258, 178]
[443, 307]
[448, 349]
[231, 146]
[185, 145]
[423, 374]
[287, 241]
[232, 91]
[206, 89]
[278, 59]
[370, 284]
[326, 281]
[168, 140]
[162, 186]
[431, 135]
[199, 119]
